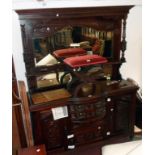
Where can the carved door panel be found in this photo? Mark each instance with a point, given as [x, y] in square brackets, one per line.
[52, 131]
[122, 113]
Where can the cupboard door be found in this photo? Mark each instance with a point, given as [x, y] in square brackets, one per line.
[122, 109]
[52, 131]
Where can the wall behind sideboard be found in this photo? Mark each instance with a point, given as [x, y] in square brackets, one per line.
[131, 69]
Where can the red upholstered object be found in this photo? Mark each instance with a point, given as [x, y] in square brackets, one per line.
[69, 52]
[85, 60]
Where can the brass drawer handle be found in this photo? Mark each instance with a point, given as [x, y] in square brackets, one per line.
[57, 15]
[48, 29]
[70, 136]
[112, 109]
[108, 133]
[99, 127]
[79, 106]
[108, 99]
[71, 146]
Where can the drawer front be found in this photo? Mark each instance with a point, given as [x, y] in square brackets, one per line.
[89, 133]
[87, 111]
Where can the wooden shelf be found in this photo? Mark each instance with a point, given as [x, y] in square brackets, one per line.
[51, 95]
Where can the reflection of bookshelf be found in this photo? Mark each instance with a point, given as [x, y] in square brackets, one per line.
[104, 38]
[62, 38]
[107, 48]
[108, 44]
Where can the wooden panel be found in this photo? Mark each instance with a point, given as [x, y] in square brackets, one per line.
[26, 113]
[73, 12]
[15, 134]
[122, 112]
[50, 96]
[53, 132]
[18, 133]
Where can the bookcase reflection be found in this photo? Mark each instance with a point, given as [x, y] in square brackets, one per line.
[90, 39]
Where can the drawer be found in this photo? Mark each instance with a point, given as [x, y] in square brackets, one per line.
[52, 131]
[82, 116]
[100, 104]
[100, 112]
[88, 111]
[89, 133]
[81, 108]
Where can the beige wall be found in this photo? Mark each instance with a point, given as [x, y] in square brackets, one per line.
[133, 54]
[131, 69]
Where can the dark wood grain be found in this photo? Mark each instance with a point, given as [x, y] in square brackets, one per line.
[18, 136]
[108, 113]
[26, 113]
[34, 150]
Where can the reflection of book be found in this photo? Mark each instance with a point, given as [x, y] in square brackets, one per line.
[74, 45]
[47, 60]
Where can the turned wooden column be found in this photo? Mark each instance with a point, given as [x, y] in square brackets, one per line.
[123, 43]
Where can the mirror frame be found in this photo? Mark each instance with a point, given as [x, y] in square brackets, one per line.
[37, 23]
[42, 46]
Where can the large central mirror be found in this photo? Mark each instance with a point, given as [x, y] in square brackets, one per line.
[92, 40]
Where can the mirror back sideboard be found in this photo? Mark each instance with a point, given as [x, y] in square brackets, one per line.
[107, 115]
